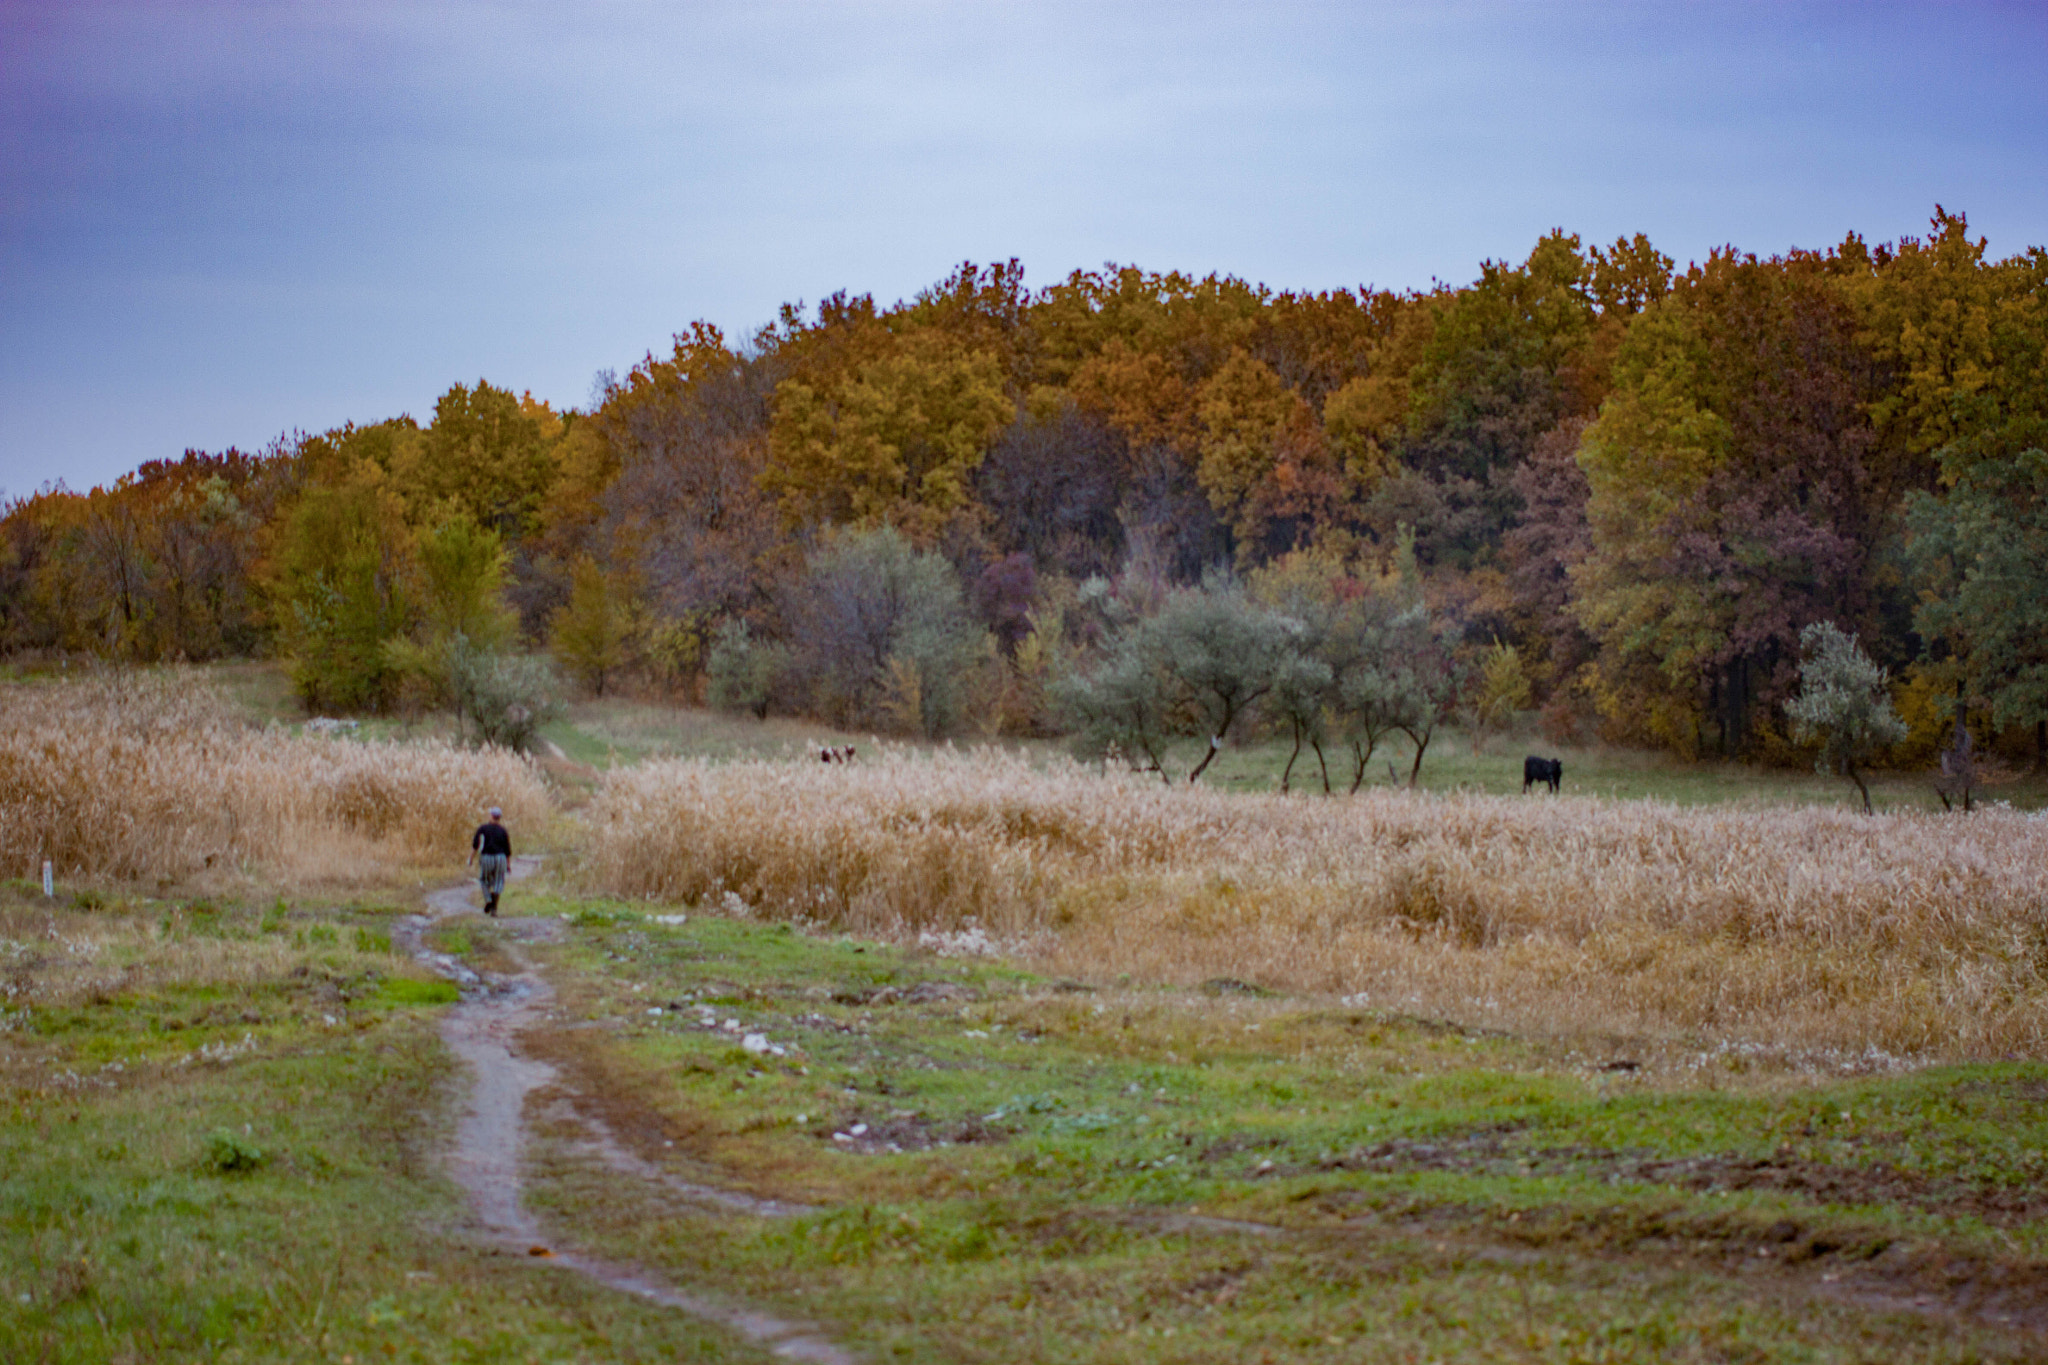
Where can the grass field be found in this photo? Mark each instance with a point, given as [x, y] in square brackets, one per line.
[607, 732]
[612, 732]
[220, 1134]
[1029, 1063]
[231, 1155]
[1685, 930]
[1143, 1173]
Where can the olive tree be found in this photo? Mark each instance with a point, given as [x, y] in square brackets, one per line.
[1223, 652]
[1843, 705]
[506, 697]
[1195, 668]
[1122, 707]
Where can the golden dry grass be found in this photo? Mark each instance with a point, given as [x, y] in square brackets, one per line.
[1788, 931]
[150, 777]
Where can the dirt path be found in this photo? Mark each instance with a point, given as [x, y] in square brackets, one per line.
[491, 1137]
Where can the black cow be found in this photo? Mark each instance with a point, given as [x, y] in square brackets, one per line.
[1545, 770]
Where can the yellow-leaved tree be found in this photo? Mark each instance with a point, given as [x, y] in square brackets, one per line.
[1265, 465]
[1647, 458]
[894, 442]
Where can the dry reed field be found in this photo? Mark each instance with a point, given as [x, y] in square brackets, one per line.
[1810, 937]
[145, 777]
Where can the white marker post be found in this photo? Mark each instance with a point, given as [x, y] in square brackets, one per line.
[49, 882]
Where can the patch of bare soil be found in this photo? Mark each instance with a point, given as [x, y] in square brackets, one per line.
[1492, 1151]
[923, 993]
[1829, 1258]
[1822, 1257]
[851, 1132]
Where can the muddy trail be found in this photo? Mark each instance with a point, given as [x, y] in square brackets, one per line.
[491, 1138]
[500, 1029]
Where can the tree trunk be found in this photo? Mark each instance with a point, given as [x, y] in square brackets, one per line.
[1322, 763]
[1215, 748]
[1857, 778]
[1415, 768]
[1287, 773]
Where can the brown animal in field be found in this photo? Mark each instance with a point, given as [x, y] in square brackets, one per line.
[836, 754]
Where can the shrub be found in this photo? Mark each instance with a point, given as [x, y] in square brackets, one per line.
[506, 697]
[232, 1153]
[745, 674]
[344, 587]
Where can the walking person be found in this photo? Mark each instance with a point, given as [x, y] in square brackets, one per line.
[491, 848]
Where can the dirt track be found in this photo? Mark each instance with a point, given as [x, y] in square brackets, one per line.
[487, 1159]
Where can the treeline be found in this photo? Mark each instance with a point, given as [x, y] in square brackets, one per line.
[1583, 484]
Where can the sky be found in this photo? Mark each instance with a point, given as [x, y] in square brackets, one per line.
[224, 222]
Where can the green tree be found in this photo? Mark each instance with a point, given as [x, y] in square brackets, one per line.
[462, 578]
[881, 633]
[1420, 678]
[1843, 705]
[1980, 544]
[461, 588]
[592, 634]
[1648, 461]
[1121, 706]
[344, 586]
[1223, 652]
[1982, 551]
[1313, 588]
[487, 452]
[1303, 685]
[1372, 698]
[744, 673]
[1196, 667]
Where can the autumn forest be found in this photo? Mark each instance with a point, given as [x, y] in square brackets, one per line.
[1128, 506]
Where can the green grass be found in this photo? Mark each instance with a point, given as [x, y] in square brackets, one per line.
[1422, 1192]
[204, 1170]
[220, 1125]
[1590, 770]
[609, 731]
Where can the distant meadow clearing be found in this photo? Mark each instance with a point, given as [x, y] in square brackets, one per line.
[1783, 936]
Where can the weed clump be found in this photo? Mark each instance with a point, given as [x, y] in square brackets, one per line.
[232, 1153]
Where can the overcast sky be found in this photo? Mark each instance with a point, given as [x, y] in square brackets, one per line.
[221, 222]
